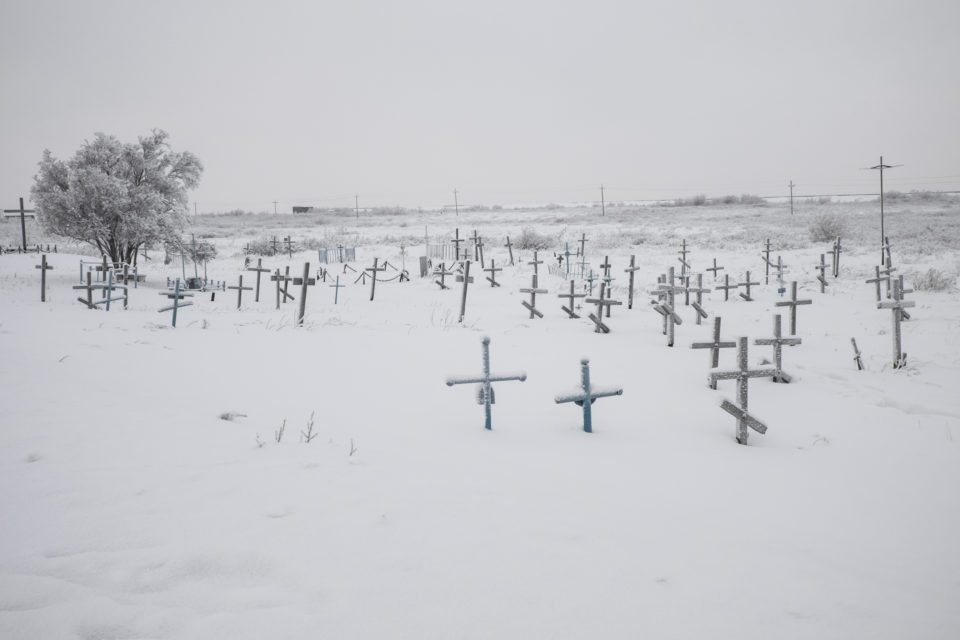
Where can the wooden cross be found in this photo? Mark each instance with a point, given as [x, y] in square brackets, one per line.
[336, 289]
[304, 282]
[856, 354]
[714, 347]
[606, 270]
[742, 375]
[443, 273]
[590, 278]
[177, 296]
[583, 242]
[714, 268]
[631, 269]
[466, 279]
[684, 265]
[373, 280]
[877, 279]
[533, 291]
[587, 395]
[535, 262]
[898, 306]
[766, 260]
[240, 289]
[289, 242]
[781, 288]
[456, 243]
[89, 289]
[44, 267]
[727, 287]
[492, 278]
[903, 292]
[566, 254]
[282, 290]
[571, 297]
[485, 390]
[885, 249]
[777, 342]
[108, 288]
[747, 284]
[887, 271]
[822, 278]
[793, 303]
[23, 213]
[477, 243]
[701, 314]
[837, 250]
[259, 269]
[510, 249]
[601, 302]
[666, 305]
[273, 245]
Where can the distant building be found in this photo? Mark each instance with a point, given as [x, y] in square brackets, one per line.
[302, 209]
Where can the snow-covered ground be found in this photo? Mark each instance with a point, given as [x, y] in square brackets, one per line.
[133, 509]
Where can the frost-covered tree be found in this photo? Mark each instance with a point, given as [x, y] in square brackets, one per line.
[117, 197]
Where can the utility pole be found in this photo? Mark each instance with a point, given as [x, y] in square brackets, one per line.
[456, 204]
[356, 205]
[275, 207]
[791, 197]
[603, 206]
[881, 167]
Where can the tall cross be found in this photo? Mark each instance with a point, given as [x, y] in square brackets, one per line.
[777, 342]
[177, 296]
[466, 279]
[533, 291]
[374, 270]
[259, 269]
[699, 290]
[766, 260]
[714, 347]
[492, 270]
[336, 289]
[684, 265]
[23, 213]
[714, 269]
[304, 282]
[631, 270]
[747, 284]
[485, 390]
[898, 306]
[742, 375]
[510, 249]
[601, 302]
[877, 279]
[456, 243]
[240, 289]
[44, 267]
[793, 303]
[727, 287]
[822, 268]
[571, 297]
[587, 395]
[535, 262]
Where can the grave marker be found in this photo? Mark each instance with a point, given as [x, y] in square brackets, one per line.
[44, 267]
[571, 297]
[510, 250]
[766, 260]
[856, 354]
[777, 342]
[742, 375]
[781, 288]
[304, 282]
[466, 279]
[89, 289]
[714, 347]
[374, 270]
[282, 290]
[583, 242]
[601, 302]
[240, 289]
[108, 288]
[289, 242]
[793, 303]
[259, 269]
[533, 291]
[877, 279]
[714, 269]
[587, 395]
[666, 305]
[822, 278]
[492, 278]
[485, 394]
[727, 287]
[177, 296]
[684, 265]
[898, 307]
[443, 273]
[336, 289]
[837, 250]
[535, 262]
[699, 290]
[456, 244]
[747, 284]
[22, 213]
[631, 269]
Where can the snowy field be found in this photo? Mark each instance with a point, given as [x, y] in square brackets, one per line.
[133, 509]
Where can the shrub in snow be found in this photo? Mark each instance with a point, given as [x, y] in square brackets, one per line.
[826, 227]
[531, 239]
[933, 280]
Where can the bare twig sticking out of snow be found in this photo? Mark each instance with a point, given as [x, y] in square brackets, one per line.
[278, 434]
[309, 434]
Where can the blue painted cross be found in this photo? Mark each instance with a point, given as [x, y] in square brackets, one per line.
[587, 395]
[336, 289]
[108, 288]
[485, 390]
[177, 298]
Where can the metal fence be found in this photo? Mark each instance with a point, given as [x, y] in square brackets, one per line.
[338, 254]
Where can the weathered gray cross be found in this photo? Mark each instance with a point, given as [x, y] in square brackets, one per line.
[456, 243]
[606, 270]
[856, 354]
[898, 306]
[443, 272]
[714, 347]
[44, 267]
[837, 250]
[289, 242]
[777, 342]
[766, 260]
[684, 265]
[877, 279]
[466, 279]
[587, 395]
[535, 262]
[478, 249]
[727, 287]
[666, 305]
[571, 297]
[492, 270]
[240, 289]
[533, 291]
[699, 291]
[746, 285]
[583, 242]
[822, 278]
[631, 270]
[374, 270]
[259, 269]
[304, 282]
[793, 303]
[485, 394]
[887, 271]
[89, 289]
[714, 269]
[903, 292]
[601, 302]
[22, 213]
[282, 289]
[742, 375]
[510, 250]
[781, 288]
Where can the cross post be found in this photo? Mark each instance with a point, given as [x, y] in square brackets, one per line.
[822, 278]
[601, 302]
[259, 269]
[714, 269]
[336, 289]
[777, 342]
[466, 280]
[240, 289]
[373, 273]
[714, 347]
[304, 282]
[509, 249]
[492, 278]
[535, 262]
[877, 279]
[44, 267]
[587, 395]
[742, 375]
[793, 303]
[533, 291]
[443, 273]
[747, 284]
[571, 297]
[727, 287]
[898, 306]
[631, 270]
[177, 296]
[23, 213]
[701, 314]
[856, 354]
[766, 260]
[485, 394]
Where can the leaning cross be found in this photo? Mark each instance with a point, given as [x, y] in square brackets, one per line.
[485, 394]
[374, 270]
[897, 306]
[304, 282]
[793, 303]
[533, 291]
[714, 347]
[742, 375]
[631, 269]
[510, 249]
[587, 395]
[178, 303]
[282, 289]
[571, 296]
[747, 284]
[492, 278]
[777, 341]
[44, 267]
[601, 302]
[89, 289]
[727, 287]
[22, 213]
[260, 270]
[466, 280]
[856, 354]
[240, 289]
[822, 278]
[684, 265]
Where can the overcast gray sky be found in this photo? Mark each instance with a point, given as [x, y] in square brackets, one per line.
[507, 101]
